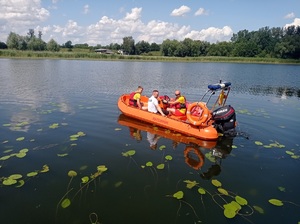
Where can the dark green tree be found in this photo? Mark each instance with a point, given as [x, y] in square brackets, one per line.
[128, 45]
[142, 47]
[52, 45]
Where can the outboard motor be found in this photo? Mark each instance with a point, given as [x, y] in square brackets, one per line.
[225, 120]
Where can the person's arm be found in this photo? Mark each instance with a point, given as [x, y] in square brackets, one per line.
[159, 110]
[139, 103]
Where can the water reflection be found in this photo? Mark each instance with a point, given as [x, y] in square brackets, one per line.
[195, 152]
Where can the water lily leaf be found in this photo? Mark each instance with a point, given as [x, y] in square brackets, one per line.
[229, 213]
[240, 200]
[118, 184]
[6, 125]
[295, 156]
[276, 202]
[72, 173]
[149, 164]
[160, 166]
[267, 146]
[74, 136]
[81, 134]
[128, 153]
[178, 195]
[143, 166]
[223, 191]
[62, 155]
[8, 150]
[201, 190]
[9, 181]
[45, 169]
[15, 176]
[289, 153]
[190, 184]
[73, 139]
[21, 155]
[258, 209]
[281, 189]
[168, 157]
[4, 142]
[32, 174]
[216, 183]
[20, 139]
[21, 183]
[85, 179]
[162, 147]
[101, 168]
[5, 157]
[23, 150]
[210, 157]
[258, 143]
[118, 129]
[65, 203]
[53, 126]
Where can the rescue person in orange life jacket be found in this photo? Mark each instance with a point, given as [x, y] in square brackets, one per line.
[135, 98]
[179, 103]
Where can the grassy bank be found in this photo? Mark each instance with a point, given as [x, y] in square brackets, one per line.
[87, 55]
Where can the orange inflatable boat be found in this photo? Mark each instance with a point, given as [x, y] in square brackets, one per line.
[199, 121]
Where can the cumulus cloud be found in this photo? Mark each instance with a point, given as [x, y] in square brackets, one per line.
[18, 13]
[106, 30]
[290, 16]
[295, 23]
[211, 34]
[180, 11]
[201, 12]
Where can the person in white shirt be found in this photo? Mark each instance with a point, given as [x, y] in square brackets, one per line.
[153, 103]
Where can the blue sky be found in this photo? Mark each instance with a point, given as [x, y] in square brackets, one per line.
[104, 22]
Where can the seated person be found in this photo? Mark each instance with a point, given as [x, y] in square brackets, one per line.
[153, 105]
[135, 98]
[179, 105]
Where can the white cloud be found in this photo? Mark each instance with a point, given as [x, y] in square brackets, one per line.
[86, 9]
[211, 34]
[295, 23]
[18, 13]
[180, 11]
[290, 16]
[200, 12]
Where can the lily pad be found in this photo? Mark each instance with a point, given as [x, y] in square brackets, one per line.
[162, 147]
[223, 191]
[178, 195]
[149, 164]
[190, 184]
[21, 183]
[128, 153]
[216, 183]
[21, 155]
[168, 157]
[72, 173]
[276, 202]
[240, 200]
[24, 150]
[15, 176]
[101, 168]
[201, 190]
[258, 143]
[20, 139]
[32, 174]
[160, 166]
[5, 157]
[9, 181]
[84, 179]
[44, 169]
[258, 209]
[65, 203]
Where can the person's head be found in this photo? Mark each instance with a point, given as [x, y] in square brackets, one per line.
[177, 93]
[140, 89]
[155, 93]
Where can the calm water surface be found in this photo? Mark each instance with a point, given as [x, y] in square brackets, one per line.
[44, 103]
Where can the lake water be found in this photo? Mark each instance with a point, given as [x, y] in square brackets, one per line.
[45, 103]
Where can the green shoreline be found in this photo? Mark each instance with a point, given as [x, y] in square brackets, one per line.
[115, 57]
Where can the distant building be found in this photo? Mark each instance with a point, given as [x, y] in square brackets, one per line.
[103, 51]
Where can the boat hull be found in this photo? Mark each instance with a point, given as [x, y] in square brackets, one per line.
[178, 124]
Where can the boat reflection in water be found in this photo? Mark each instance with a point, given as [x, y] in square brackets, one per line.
[193, 156]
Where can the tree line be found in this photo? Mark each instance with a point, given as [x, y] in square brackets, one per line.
[265, 43]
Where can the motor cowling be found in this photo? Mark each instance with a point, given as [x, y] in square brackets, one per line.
[225, 120]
